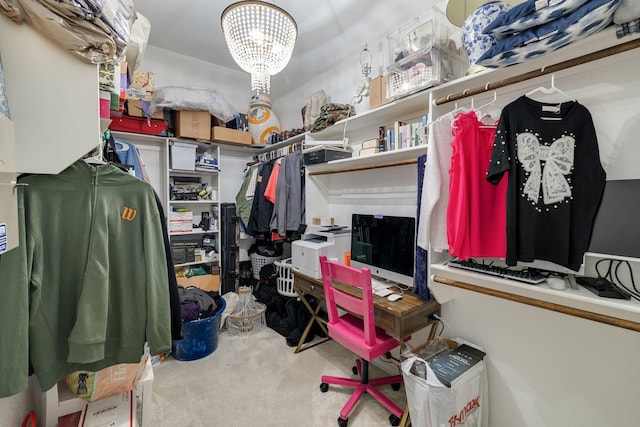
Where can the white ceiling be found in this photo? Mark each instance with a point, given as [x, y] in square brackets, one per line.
[329, 31]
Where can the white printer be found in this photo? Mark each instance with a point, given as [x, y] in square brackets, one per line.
[332, 242]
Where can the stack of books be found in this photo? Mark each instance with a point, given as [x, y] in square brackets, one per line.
[403, 135]
[370, 146]
[205, 164]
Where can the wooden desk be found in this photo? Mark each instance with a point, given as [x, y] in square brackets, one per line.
[398, 318]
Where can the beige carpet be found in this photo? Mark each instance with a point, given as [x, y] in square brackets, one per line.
[257, 380]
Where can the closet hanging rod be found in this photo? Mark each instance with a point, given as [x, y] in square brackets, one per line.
[593, 56]
[279, 151]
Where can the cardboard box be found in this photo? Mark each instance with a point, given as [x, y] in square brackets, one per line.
[378, 92]
[136, 108]
[323, 221]
[117, 411]
[193, 124]
[230, 136]
[206, 282]
[142, 86]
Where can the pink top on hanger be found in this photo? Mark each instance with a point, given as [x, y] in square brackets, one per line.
[476, 212]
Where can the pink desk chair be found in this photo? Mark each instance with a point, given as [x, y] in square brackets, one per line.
[359, 334]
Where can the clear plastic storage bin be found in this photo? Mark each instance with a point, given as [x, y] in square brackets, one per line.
[436, 66]
[424, 52]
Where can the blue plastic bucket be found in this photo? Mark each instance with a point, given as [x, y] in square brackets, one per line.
[200, 337]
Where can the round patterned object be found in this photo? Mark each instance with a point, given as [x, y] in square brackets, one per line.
[475, 42]
[262, 121]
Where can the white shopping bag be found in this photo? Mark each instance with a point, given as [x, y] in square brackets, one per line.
[432, 404]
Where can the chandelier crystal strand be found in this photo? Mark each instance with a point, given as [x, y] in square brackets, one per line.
[260, 37]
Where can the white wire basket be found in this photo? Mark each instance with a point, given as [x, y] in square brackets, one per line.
[259, 261]
[248, 316]
[285, 278]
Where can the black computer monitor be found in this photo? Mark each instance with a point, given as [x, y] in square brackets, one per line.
[616, 229]
[384, 244]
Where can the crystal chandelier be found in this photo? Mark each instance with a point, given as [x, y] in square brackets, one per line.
[260, 37]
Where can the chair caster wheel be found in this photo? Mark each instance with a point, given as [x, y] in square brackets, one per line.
[343, 422]
[354, 370]
[324, 387]
[395, 421]
[395, 386]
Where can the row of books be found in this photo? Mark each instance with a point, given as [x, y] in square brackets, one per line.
[397, 137]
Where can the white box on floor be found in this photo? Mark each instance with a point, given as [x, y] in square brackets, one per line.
[114, 411]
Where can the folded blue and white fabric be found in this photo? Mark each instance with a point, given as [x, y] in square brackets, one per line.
[529, 14]
[591, 17]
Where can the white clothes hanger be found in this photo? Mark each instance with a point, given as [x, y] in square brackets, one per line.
[494, 113]
[450, 115]
[495, 98]
[553, 90]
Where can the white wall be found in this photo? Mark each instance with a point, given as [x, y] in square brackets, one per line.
[173, 69]
[339, 83]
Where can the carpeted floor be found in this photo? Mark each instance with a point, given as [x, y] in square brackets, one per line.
[257, 380]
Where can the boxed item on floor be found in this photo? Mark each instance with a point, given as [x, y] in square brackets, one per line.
[115, 379]
[183, 155]
[114, 411]
[233, 136]
[447, 388]
[193, 124]
[324, 153]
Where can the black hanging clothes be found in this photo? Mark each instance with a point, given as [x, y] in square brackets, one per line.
[261, 209]
[555, 180]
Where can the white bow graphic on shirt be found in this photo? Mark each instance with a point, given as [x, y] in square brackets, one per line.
[558, 160]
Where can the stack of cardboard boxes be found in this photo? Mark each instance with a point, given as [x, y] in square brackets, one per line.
[139, 95]
[121, 99]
